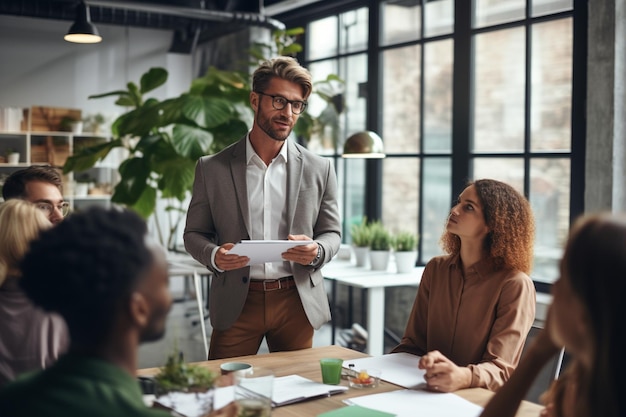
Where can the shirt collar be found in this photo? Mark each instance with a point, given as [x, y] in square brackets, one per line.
[484, 267]
[250, 153]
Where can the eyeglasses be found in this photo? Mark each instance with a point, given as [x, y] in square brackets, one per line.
[279, 103]
[48, 208]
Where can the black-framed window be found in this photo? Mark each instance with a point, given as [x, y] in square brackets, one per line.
[458, 90]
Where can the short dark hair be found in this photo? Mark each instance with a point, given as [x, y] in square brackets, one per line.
[15, 184]
[86, 267]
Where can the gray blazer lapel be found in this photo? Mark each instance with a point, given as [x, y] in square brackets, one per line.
[238, 174]
[295, 165]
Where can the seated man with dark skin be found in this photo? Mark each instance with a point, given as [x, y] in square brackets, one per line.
[101, 271]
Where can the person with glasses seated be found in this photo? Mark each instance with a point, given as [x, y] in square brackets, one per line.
[30, 338]
[40, 185]
[266, 187]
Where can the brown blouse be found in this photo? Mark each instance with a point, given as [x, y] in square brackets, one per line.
[479, 321]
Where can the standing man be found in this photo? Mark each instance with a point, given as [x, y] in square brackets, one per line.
[266, 187]
[40, 185]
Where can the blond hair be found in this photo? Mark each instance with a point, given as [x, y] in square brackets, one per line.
[284, 67]
[20, 223]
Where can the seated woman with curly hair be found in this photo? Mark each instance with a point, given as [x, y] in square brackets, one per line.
[475, 305]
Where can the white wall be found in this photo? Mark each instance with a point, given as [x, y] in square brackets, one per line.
[37, 67]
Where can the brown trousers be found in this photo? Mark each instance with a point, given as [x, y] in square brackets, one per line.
[276, 315]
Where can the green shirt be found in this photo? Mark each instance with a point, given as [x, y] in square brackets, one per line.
[76, 386]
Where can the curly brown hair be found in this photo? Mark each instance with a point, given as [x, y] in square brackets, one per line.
[511, 226]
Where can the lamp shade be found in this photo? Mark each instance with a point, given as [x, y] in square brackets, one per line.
[83, 31]
[365, 144]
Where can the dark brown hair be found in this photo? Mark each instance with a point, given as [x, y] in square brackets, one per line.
[15, 185]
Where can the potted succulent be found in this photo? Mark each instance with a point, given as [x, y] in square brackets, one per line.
[360, 234]
[404, 244]
[380, 246]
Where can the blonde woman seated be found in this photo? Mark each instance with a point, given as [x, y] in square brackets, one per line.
[586, 317]
[475, 306]
[29, 337]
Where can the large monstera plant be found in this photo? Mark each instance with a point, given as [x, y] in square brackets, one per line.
[164, 139]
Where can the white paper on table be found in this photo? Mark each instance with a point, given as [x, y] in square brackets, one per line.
[261, 251]
[411, 403]
[397, 368]
[294, 388]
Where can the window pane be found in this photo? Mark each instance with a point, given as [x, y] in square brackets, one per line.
[401, 99]
[551, 104]
[499, 91]
[400, 21]
[322, 38]
[541, 7]
[438, 58]
[508, 170]
[351, 174]
[353, 70]
[493, 12]
[400, 194]
[436, 204]
[353, 31]
[438, 18]
[549, 198]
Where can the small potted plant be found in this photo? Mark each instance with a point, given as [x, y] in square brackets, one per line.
[13, 157]
[71, 124]
[94, 123]
[404, 244]
[380, 246]
[178, 378]
[360, 234]
[83, 183]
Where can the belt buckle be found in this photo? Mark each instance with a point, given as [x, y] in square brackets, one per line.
[272, 289]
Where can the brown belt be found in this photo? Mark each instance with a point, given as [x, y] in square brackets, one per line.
[271, 285]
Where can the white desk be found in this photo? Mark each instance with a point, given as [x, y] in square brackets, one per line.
[345, 272]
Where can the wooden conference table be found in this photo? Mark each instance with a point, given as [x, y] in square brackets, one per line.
[306, 364]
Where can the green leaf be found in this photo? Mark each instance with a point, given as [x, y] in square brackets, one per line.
[125, 101]
[226, 134]
[294, 31]
[155, 77]
[191, 142]
[207, 112]
[134, 94]
[292, 49]
[88, 157]
[134, 174]
[146, 203]
[138, 122]
[112, 93]
[177, 178]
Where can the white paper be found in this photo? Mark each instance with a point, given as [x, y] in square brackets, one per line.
[411, 403]
[261, 251]
[294, 388]
[397, 368]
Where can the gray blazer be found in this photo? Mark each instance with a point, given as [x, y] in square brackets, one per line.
[218, 213]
